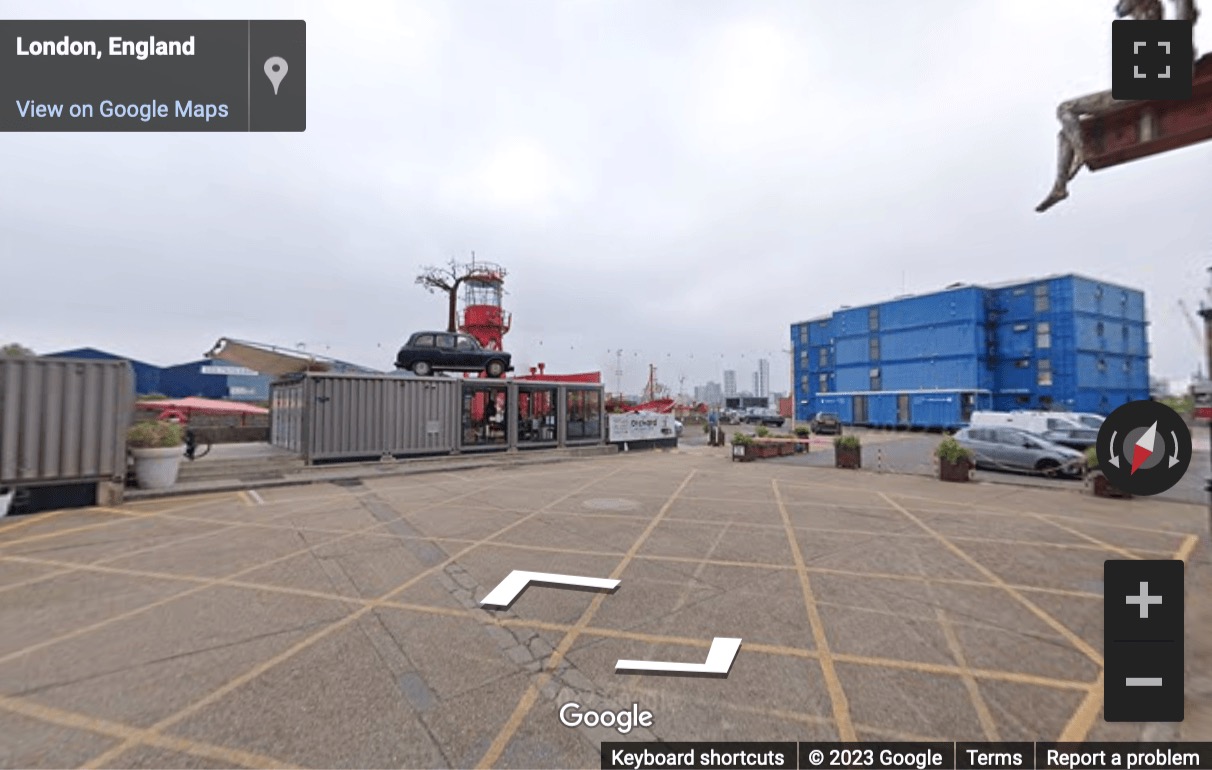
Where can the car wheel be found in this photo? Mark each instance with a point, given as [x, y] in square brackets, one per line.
[495, 369]
[422, 369]
[1047, 467]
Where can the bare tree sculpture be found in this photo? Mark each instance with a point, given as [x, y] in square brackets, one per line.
[447, 278]
[1070, 156]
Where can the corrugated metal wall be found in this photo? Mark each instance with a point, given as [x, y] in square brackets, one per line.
[330, 416]
[63, 420]
[286, 408]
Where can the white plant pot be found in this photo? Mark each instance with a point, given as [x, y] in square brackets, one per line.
[157, 468]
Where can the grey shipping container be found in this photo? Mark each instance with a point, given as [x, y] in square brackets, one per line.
[331, 417]
[63, 420]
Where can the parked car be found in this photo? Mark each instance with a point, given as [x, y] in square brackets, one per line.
[825, 422]
[1057, 427]
[429, 352]
[1090, 420]
[759, 416]
[1005, 448]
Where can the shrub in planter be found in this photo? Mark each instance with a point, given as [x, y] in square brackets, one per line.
[848, 452]
[762, 431]
[156, 446]
[954, 460]
[766, 449]
[802, 432]
[742, 447]
[1097, 481]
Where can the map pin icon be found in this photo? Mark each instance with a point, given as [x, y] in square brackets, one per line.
[275, 70]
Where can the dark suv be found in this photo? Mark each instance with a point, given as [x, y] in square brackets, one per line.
[825, 422]
[429, 352]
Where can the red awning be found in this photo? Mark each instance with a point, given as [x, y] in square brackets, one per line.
[195, 405]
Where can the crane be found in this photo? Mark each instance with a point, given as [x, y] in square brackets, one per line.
[1189, 317]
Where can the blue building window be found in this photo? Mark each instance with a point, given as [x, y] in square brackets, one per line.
[822, 357]
[1043, 335]
[874, 348]
[1042, 303]
[804, 334]
[1043, 370]
[876, 381]
[823, 384]
[873, 319]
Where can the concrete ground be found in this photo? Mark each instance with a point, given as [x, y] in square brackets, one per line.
[337, 625]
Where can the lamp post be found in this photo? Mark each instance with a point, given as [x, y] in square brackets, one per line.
[791, 385]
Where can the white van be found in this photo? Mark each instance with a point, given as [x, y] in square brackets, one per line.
[1034, 422]
[1056, 427]
[1088, 419]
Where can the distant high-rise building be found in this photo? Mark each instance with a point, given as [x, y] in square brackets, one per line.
[729, 383]
[713, 394]
[761, 378]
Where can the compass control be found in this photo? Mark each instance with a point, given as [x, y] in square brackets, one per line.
[1144, 447]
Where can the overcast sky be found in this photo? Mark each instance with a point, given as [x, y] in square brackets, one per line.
[679, 180]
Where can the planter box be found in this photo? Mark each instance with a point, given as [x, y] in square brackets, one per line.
[957, 471]
[742, 453]
[157, 468]
[1100, 487]
[848, 458]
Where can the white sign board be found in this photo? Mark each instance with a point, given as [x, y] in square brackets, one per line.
[228, 370]
[641, 426]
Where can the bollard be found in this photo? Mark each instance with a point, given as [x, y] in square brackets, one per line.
[879, 460]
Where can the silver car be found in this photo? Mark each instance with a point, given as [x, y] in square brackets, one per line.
[1013, 449]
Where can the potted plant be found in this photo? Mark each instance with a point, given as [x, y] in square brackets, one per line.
[848, 452]
[954, 460]
[803, 433]
[1097, 482]
[742, 447]
[156, 446]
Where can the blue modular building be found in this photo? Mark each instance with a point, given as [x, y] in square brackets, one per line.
[206, 378]
[214, 378]
[1063, 342]
[147, 376]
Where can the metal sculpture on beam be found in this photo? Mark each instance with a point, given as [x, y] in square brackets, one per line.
[1072, 152]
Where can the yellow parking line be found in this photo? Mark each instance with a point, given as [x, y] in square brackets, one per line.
[974, 692]
[1188, 547]
[119, 730]
[505, 735]
[1124, 552]
[34, 517]
[1083, 719]
[837, 696]
[1056, 625]
[256, 671]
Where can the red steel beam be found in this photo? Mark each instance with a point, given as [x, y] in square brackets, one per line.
[1140, 129]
